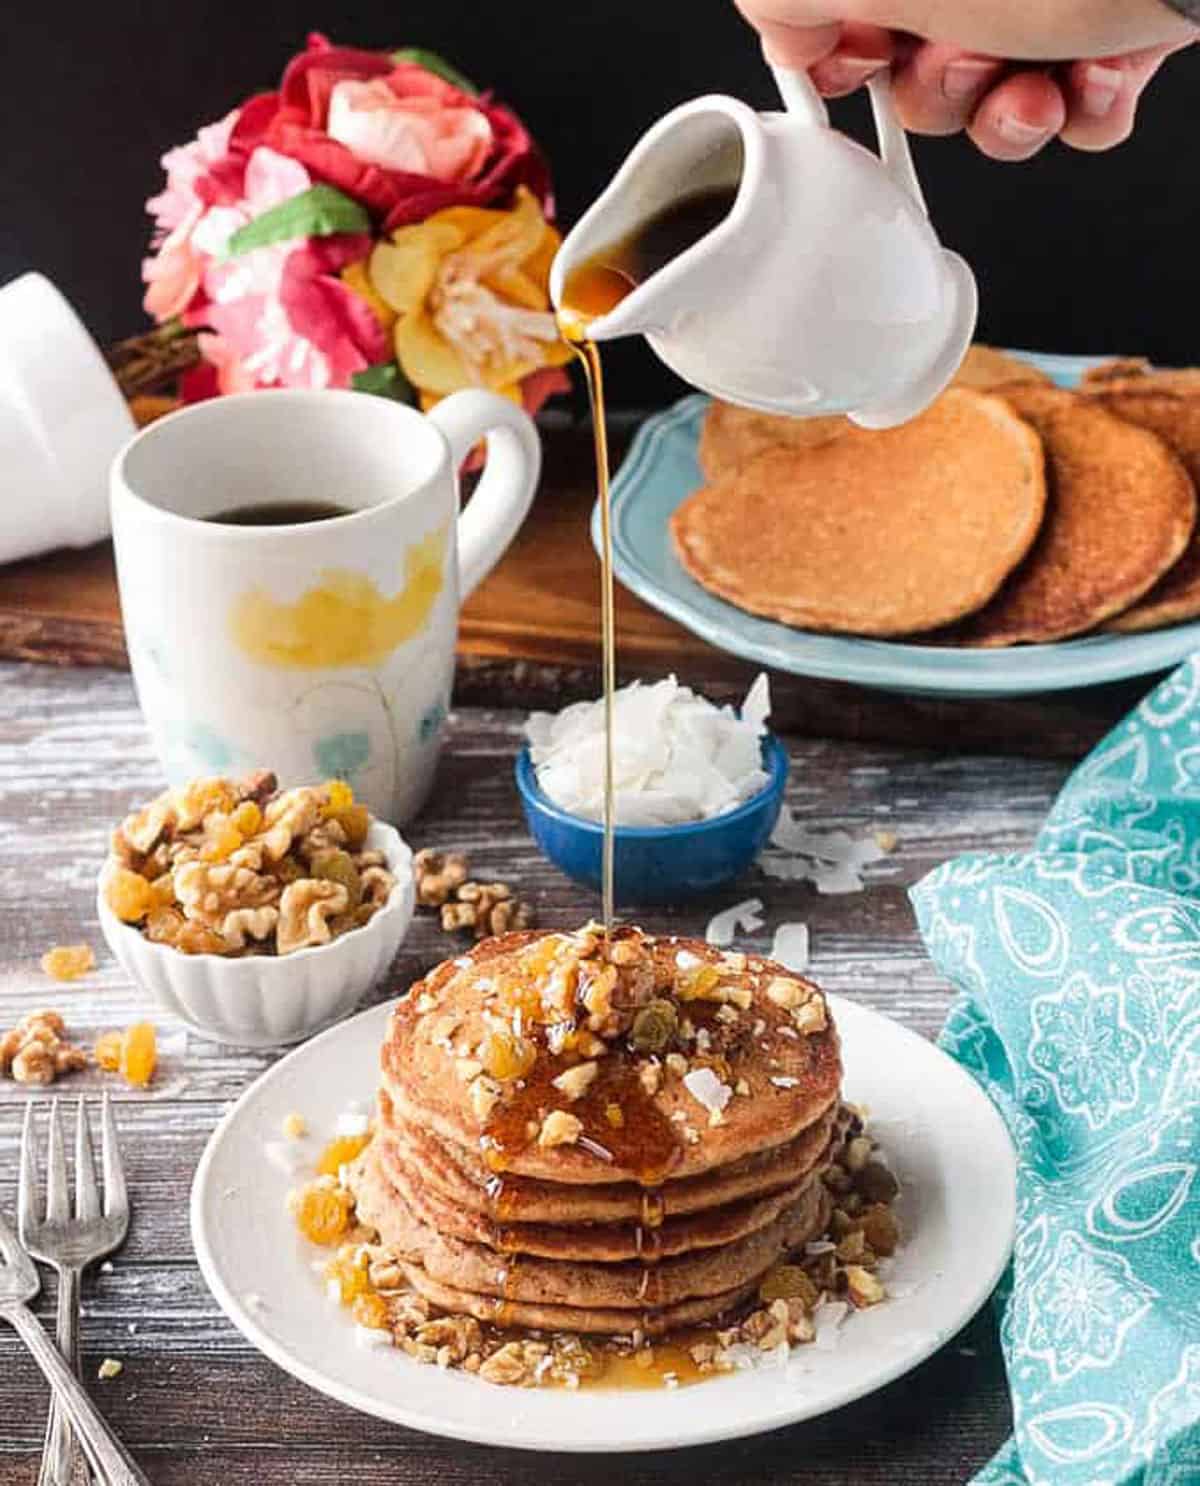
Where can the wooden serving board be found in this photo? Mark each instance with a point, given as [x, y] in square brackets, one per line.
[530, 636]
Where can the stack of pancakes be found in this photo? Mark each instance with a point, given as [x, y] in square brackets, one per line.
[1010, 511]
[608, 1136]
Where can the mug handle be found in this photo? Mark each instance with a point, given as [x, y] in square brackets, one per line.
[505, 491]
[806, 106]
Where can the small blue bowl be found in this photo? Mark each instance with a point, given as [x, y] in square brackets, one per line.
[658, 864]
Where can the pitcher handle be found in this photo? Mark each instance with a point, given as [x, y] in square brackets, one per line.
[502, 498]
[800, 98]
[893, 139]
[806, 106]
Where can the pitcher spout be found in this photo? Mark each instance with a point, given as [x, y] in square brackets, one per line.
[711, 144]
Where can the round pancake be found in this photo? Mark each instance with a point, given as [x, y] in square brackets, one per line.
[1121, 512]
[430, 1065]
[731, 437]
[874, 533]
[630, 1285]
[1176, 420]
[985, 368]
[1136, 374]
[526, 1316]
[596, 1243]
[460, 1177]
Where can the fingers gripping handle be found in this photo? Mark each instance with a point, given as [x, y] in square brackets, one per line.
[504, 494]
[806, 106]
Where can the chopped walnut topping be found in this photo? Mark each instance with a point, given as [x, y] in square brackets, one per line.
[485, 1095]
[575, 1082]
[787, 993]
[677, 1064]
[810, 1017]
[863, 1287]
[559, 1128]
[650, 1077]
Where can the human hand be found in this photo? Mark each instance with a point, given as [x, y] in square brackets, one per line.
[1104, 52]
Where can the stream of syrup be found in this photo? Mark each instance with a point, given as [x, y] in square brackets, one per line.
[594, 288]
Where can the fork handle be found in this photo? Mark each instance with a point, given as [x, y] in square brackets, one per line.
[58, 1453]
[112, 1461]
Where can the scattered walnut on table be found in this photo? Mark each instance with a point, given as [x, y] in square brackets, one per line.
[439, 875]
[36, 1050]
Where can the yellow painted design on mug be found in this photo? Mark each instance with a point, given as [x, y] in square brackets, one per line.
[344, 620]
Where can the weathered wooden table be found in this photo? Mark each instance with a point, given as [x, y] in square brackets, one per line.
[194, 1401]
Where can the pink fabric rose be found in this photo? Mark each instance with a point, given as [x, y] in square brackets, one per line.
[414, 134]
[296, 121]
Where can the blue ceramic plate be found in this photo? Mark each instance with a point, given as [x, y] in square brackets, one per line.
[661, 469]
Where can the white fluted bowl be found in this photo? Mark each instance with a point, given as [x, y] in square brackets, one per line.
[269, 1000]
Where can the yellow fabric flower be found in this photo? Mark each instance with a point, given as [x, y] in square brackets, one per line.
[470, 288]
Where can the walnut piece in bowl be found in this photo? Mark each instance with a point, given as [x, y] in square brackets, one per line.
[256, 915]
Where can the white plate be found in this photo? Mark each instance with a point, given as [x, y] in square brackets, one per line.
[944, 1139]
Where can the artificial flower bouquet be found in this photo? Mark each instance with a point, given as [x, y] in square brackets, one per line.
[376, 223]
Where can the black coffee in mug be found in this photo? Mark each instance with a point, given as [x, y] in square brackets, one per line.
[281, 513]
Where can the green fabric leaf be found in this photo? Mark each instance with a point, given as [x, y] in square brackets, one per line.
[385, 380]
[438, 65]
[317, 212]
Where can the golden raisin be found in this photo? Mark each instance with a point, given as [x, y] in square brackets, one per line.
[698, 984]
[323, 1213]
[355, 820]
[139, 1054]
[341, 1152]
[221, 838]
[506, 1056]
[247, 818]
[128, 894]
[200, 797]
[788, 1282]
[654, 1027]
[334, 865]
[880, 1228]
[371, 1310]
[68, 961]
[108, 1051]
[338, 797]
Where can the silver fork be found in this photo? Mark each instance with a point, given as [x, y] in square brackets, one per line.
[18, 1285]
[69, 1244]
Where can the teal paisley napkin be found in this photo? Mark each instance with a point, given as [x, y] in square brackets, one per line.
[1078, 967]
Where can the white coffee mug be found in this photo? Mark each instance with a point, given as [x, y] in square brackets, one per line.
[323, 648]
[62, 418]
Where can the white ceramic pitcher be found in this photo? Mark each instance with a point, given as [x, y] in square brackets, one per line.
[825, 289]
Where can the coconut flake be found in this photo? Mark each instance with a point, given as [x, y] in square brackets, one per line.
[790, 946]
[831, 860]
[284, 1155]
[827, 1321]
[706, 1088]
[371, 1336]
[351, 1123]
[746, 915]
[676, 756]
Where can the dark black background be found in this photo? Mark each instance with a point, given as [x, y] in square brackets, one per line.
[1073, 252]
